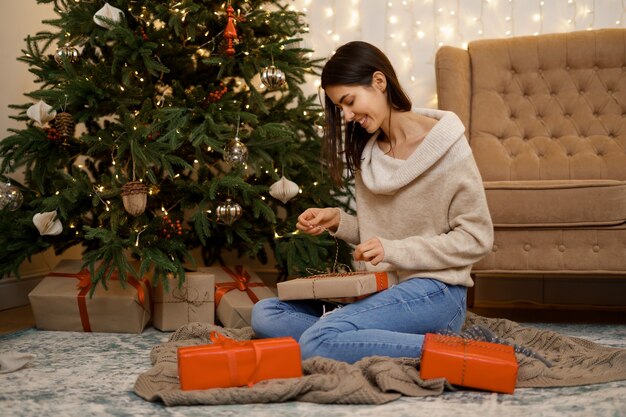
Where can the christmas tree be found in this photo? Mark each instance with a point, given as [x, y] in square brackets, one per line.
[164, 126]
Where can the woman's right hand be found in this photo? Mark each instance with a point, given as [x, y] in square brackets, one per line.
[315, 221]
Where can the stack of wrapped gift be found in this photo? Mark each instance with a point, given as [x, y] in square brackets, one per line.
[176, 305]
[343, 287]
[62, 301]
[237, 289]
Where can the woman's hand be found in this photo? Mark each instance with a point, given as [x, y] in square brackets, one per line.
[315, 221]
[370, 251]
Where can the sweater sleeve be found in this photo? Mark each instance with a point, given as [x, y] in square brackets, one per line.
[348, 229]
[470, 234]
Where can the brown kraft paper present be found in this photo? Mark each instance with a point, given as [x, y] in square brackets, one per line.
[193, 302]
[336, 285]
[237, 289]
[61, 301]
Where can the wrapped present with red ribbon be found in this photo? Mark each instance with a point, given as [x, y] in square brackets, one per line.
[343, 287]
[230, 363]
[469, 363]
[61, 301]
[237, 289]
[194, 301]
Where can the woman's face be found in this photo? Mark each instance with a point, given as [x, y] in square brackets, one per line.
[366, 105]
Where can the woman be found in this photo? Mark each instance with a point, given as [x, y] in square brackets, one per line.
[421, 213]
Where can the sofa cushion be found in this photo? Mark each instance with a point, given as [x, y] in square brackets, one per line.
[556, 203]
[549, 107]
[589, 251]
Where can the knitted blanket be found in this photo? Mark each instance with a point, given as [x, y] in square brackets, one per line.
[378, 380]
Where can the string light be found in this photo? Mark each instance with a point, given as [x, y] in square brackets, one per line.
[411, 40]
[511, 19]
[572, 20]
[592, 12]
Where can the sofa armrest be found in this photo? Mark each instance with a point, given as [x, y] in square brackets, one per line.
[454, 88]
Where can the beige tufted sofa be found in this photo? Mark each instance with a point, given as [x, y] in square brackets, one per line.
[546, 119]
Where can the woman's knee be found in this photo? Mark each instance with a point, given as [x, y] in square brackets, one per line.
[262, 314]
[313, 339]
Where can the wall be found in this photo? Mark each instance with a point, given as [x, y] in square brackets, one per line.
[409, 31]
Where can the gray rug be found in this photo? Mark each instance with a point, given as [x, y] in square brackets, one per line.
[78, 374]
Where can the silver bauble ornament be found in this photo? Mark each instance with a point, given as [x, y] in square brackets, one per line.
[236, 152]
[11, 197]
[228, 212]
[273, 78]
[66, 53]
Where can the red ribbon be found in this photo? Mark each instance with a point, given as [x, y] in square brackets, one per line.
[382, 282]
[241, 282]
[84, 285]
[228, 345]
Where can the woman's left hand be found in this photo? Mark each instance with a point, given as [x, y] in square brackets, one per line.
[370, 251]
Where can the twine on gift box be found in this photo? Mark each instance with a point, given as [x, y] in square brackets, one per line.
[347, 270]
[182, 295]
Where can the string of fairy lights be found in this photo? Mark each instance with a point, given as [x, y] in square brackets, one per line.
[411, 31]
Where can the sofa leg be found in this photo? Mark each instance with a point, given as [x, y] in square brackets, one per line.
[471, 291]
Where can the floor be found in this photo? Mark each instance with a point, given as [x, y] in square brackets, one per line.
[78, 374]
[22, 317]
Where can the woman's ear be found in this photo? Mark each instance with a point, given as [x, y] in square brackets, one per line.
[379, 81]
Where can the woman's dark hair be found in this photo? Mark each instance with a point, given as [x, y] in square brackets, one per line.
[354, 64]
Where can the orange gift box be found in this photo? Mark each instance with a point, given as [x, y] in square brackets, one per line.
[469, 363]
[230, 363]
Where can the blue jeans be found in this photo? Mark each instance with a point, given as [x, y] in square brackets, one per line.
[390, 323]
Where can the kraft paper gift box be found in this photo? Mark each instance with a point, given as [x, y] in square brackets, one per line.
[229, 363]
[338, 286]
[193, 302]
[61, 301]
[237, 289]
[469, 363]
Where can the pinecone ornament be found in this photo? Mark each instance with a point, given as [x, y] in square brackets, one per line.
[135, 197]
[64, 124]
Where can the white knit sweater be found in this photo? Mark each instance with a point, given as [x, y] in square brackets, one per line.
[429, 211]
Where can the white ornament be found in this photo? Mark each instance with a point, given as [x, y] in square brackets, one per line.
[41, 112]
[108, 12]
[47, 223]
[284, 189]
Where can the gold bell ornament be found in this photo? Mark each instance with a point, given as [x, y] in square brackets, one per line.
[66, 53]
[273, 78]
[228, 212]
